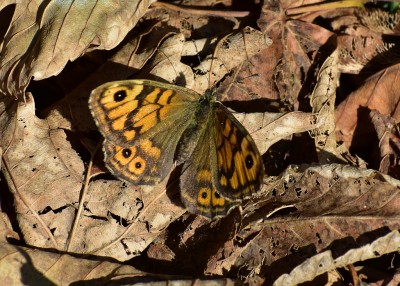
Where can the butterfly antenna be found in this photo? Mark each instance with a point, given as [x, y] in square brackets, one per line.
[172, 65]
[214, 56]
[238, 67]
[202, 67]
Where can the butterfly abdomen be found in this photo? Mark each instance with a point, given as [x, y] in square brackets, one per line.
[191, 135]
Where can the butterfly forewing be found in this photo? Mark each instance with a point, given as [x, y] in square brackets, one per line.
[127, 110]
[142, 122]
[198, 190]
[240, 169]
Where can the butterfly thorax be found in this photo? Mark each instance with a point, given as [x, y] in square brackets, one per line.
[201, 118]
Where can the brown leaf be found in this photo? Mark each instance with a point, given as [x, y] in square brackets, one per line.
[275, 126]
[21, 266]
[325, 261]
[305, 211]
[233, 51]
[127, 60]
[388, 143]
[40, 165]
[39, 45]
[367, 37]
[322, 102]
[284, 64]
[379, 92]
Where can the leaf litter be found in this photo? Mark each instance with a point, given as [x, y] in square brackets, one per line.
[330, 199]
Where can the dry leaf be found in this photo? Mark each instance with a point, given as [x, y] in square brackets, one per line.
[379, 92]
[325, 261]
[276, 126]
[131, 57]
[307, 210]
[364, 42]
[284, 64]
[40, 165]
[323, 103]
[388, 137]
[24, 266]
[39, 45]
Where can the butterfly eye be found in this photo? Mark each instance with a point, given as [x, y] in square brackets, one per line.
[249, 161]
[126, 153]
[119, 95]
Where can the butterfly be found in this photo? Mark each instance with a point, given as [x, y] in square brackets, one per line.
[149, 126]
